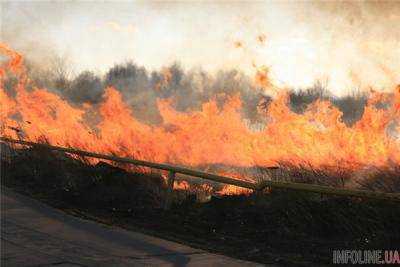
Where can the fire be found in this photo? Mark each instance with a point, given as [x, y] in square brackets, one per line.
[15, 64]
[181, 185]
[238, 44]
[211, 135]
[261, 38]
[261, 78]
[234, 190]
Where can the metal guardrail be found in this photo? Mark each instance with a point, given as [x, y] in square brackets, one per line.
[216, 178]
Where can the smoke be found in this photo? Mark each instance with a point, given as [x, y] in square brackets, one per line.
[26, 31]
[347, 45]
[342, 47]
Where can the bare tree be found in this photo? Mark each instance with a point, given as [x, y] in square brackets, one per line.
[61, 72]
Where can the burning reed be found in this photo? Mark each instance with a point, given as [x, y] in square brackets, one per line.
[216, 134]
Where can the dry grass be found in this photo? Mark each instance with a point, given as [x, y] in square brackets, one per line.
[281, 223]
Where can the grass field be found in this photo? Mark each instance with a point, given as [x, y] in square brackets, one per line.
[276, 226]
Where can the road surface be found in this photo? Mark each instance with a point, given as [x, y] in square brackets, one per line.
[33, 234]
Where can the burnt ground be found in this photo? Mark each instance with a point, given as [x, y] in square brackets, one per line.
[278, 226]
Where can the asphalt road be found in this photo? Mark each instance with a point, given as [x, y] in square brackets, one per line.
[34, 234]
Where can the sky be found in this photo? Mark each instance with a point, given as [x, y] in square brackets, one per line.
[345, 45]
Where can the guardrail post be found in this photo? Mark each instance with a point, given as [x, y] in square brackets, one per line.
[170, 189]
[258, 193]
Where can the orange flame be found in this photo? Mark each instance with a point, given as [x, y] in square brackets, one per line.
[238, 44]
[261, 79]
[211, 135]
[261, 38]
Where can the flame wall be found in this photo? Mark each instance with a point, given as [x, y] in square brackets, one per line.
[211, 135]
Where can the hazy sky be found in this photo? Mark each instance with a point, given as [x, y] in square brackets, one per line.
[346, 44]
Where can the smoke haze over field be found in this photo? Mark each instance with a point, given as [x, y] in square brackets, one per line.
[344, 45]
[181, 83]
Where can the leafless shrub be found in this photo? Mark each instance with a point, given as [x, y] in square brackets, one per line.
[382, 179]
